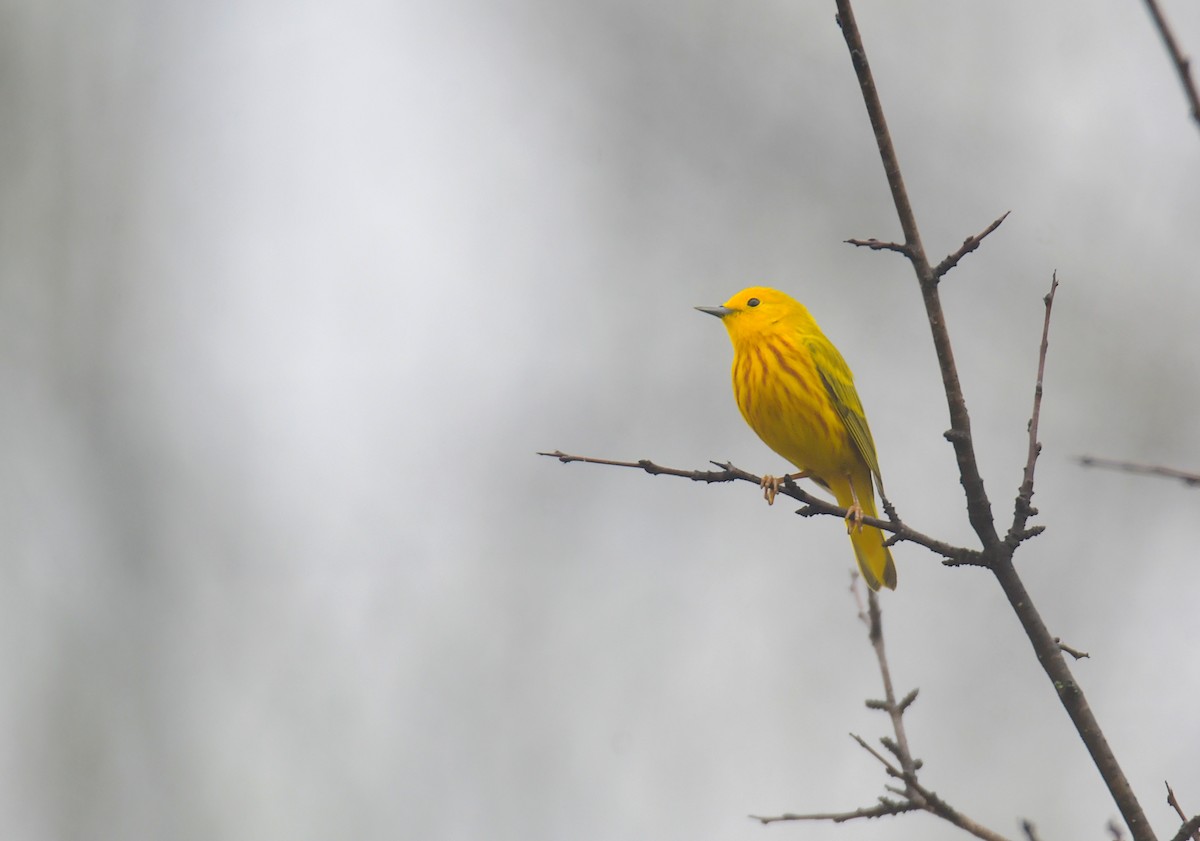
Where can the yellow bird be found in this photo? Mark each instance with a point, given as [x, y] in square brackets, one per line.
[795, 390]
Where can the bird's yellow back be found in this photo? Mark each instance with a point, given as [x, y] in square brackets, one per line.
[796, 391]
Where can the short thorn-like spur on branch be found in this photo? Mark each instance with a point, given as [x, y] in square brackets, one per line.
[813, 505]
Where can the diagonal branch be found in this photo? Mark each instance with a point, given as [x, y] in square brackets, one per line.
[1183, 65]
[1173, 802]
[813, 505]
[969, 245]
[979, 509]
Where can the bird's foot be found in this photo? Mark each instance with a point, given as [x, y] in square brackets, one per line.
[772, 484]
[854, 518]
[770, 488]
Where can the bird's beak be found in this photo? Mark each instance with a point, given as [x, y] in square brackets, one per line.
[719, 312]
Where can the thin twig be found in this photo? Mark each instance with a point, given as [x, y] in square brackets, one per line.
[914, 792]
[1030, 831]
[879, 245]
[914, 796]
[882, 809]
[1183, 65]
[1173, 802]
[948, 813]
[813, 505]
[969, 245]
[894, 710]
[1189, 479]
[1023, 509]
[892, 770]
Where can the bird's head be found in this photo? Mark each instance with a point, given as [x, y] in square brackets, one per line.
[756, 311]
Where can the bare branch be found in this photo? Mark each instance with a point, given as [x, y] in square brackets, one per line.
[914, 796]
[948, 813]
[969, 245]
[813, 505]
[1024, 509]
[1071, 696]
[894, 710]
[914, 792]
[979, 509]
[1189, 479]
[1030, 831]
[1183, 65]
[1173, 802]
[710, 476]
[892, 770]
[879, 245]
[882, 809]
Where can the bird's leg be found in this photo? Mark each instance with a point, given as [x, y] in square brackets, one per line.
[854, 514]
[772, 484]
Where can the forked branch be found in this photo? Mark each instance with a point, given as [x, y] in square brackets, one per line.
[911, 794]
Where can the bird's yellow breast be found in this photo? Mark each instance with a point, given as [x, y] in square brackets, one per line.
[782, 398]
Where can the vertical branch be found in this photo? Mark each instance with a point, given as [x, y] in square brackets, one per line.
[1024, 506]
[979, 509]
[895, 711]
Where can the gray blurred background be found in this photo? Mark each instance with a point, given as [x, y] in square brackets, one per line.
[291, 293]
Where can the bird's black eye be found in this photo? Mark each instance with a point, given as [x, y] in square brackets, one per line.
[753, 302]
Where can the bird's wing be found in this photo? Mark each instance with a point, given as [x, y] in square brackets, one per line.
[839, 385]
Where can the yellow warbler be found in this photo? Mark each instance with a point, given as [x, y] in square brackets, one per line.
[797, 393]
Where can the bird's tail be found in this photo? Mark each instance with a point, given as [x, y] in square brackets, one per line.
[874, 559]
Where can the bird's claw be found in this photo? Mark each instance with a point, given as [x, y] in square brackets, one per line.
[770, 486]
[854, 518]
